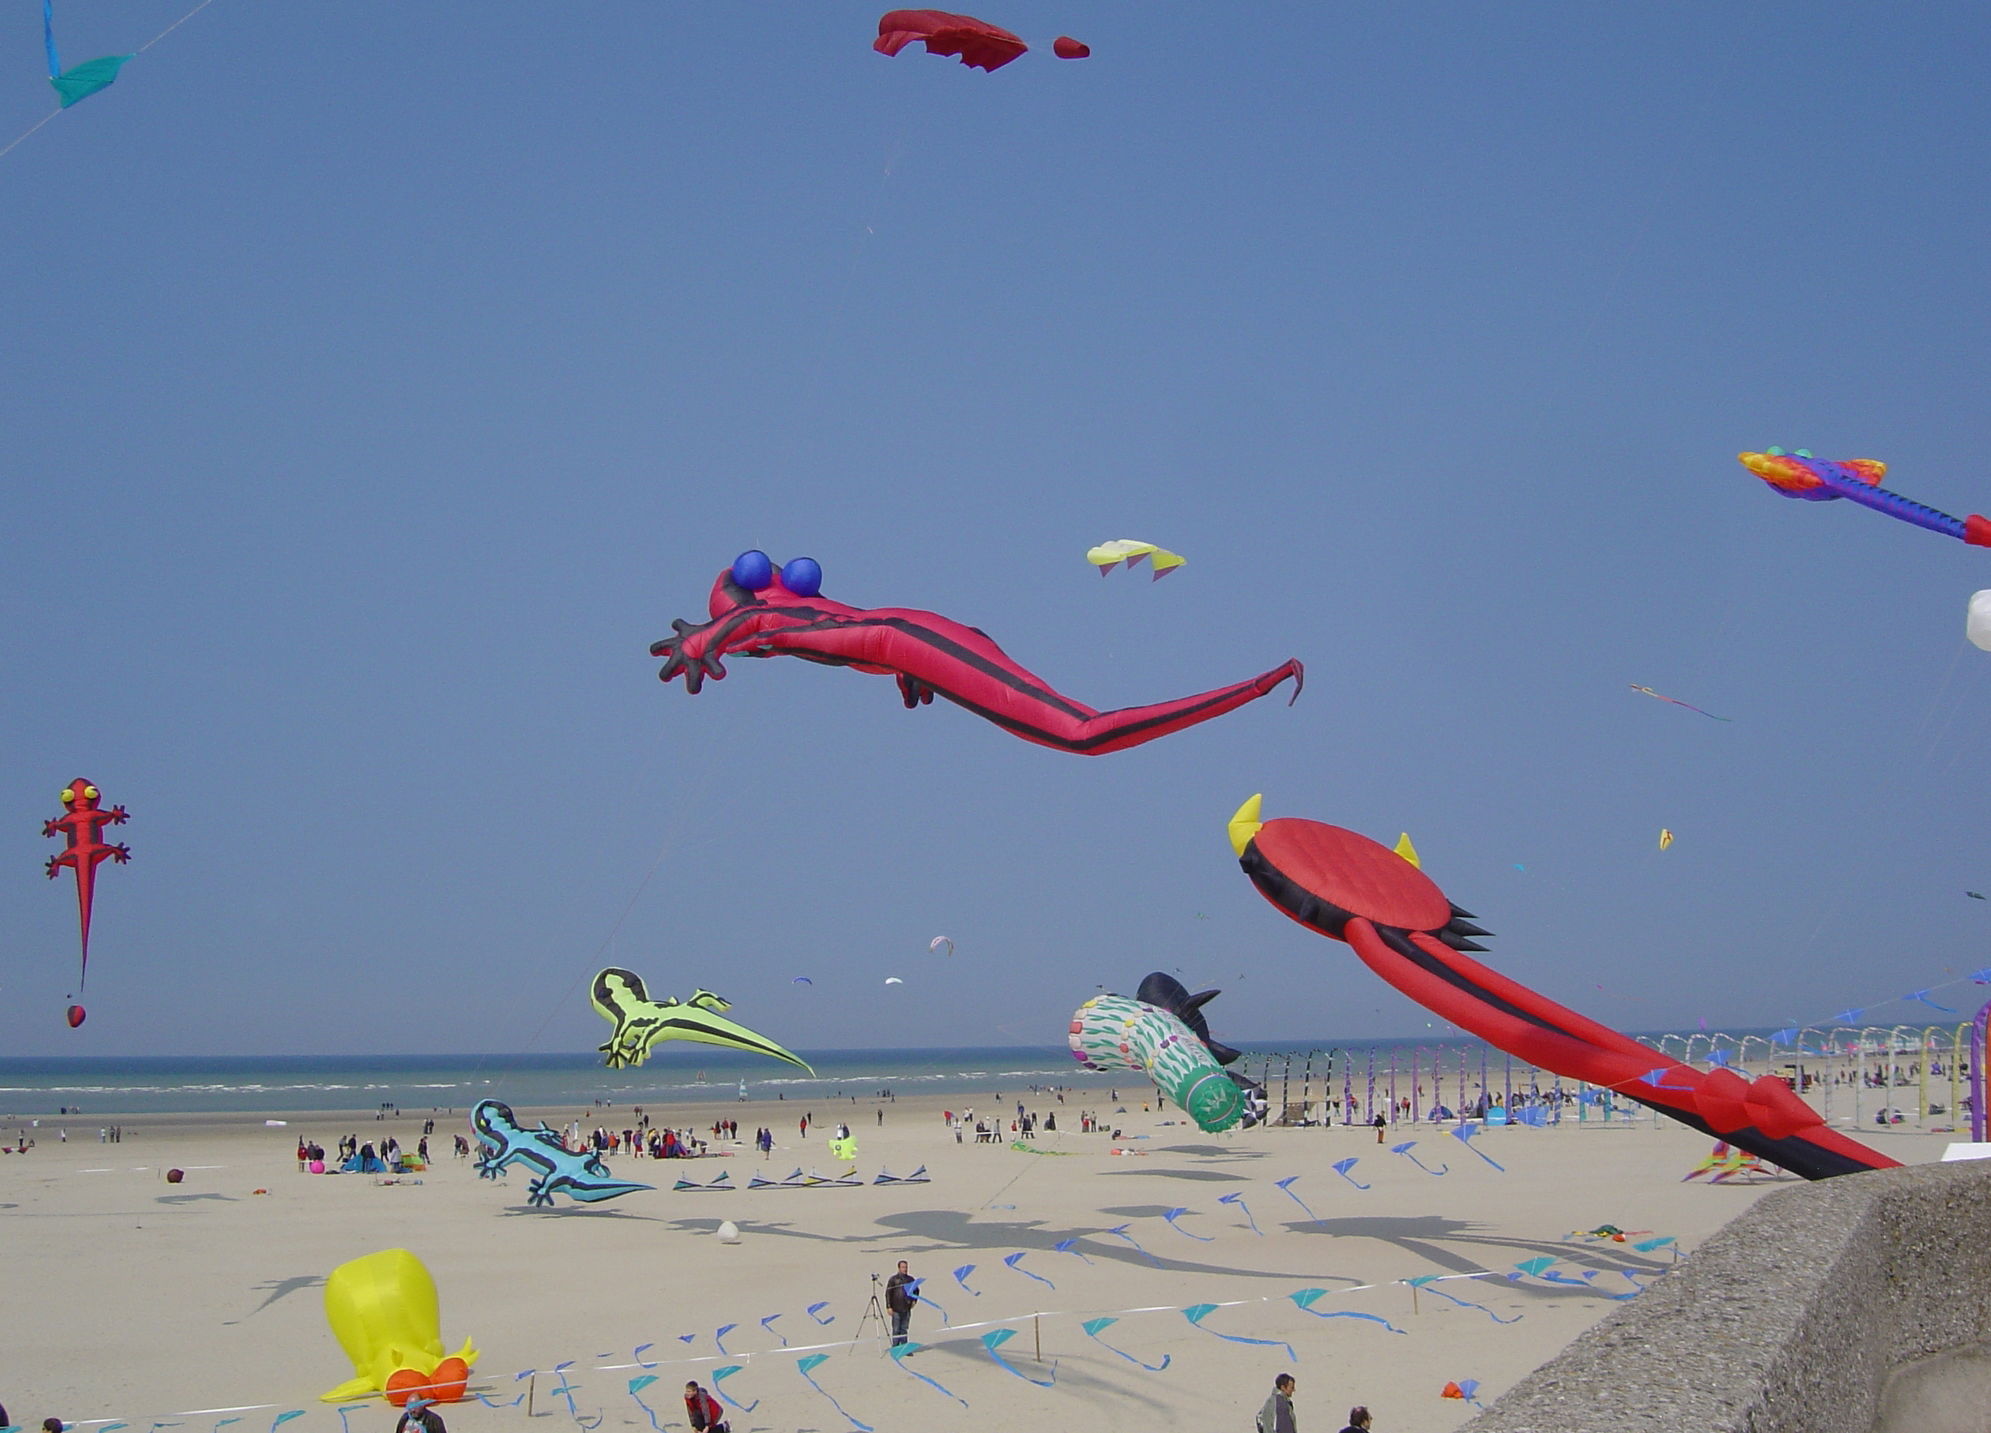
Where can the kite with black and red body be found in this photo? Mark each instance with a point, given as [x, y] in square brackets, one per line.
[760, 609]
[1407, 931]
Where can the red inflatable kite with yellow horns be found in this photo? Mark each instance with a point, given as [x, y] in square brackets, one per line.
[1403, 927]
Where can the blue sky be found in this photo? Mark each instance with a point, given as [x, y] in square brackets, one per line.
[381, 381]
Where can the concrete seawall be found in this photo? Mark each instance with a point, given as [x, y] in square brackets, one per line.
[1788, 1321]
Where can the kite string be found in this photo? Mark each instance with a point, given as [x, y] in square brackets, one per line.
[691, 802]
[172, 27]
[22, 139]
[1011, 1180]
[1896, 810]
[1661, 198]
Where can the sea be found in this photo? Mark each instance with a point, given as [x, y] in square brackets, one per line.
[683, 1075]
[276, 1085]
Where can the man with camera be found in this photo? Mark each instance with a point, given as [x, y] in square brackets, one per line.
[901, 1293]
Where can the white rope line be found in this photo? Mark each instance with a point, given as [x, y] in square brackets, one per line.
[746, 1357]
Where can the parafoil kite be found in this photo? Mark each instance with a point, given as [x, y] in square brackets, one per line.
[940, 945]
[1109, 555]
[1163, 1034]
[893, 980]
[384, 1312]
[81, 81]
[1977, 621]
[1665, 838]
[82, 821]
[977, 43]
[1342, 885]
[1799, 475]
[760, 610]
[1675, 701]
[640, 1022]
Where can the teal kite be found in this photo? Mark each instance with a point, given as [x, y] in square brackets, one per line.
[83, 80]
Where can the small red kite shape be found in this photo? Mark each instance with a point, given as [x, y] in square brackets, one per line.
[979, 44]
[82, 821]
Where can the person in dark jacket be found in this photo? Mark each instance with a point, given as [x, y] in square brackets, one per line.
[1358, 1420]
[901, 1293]
[1277, 1414]
[704, 1410]
[421, 1417]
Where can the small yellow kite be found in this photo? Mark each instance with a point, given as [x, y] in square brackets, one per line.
[1109, 555]
[1665, 838]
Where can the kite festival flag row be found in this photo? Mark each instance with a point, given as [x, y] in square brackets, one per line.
[988, 1334]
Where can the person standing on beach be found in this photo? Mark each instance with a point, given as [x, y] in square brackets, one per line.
[901, 1293]
[1358, 1420]
[704, 1410]
[421, 1417]
[1381, 1124]
[1277, 1414]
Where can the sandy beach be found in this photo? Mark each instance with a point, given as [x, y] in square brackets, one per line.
[207, 1295]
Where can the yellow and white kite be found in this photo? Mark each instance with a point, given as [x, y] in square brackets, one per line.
[1109, 555]
[1665, 838]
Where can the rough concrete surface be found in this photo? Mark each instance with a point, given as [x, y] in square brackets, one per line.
[1790, 1320]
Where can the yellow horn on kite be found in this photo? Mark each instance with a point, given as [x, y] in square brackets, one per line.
[1245, 822]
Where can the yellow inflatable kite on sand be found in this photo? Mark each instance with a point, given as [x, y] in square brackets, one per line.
[384, 1312]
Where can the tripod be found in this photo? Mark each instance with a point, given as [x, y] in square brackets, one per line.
[873, 1310]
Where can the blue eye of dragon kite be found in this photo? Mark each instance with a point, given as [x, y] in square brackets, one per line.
[803, 576]
[753, 570]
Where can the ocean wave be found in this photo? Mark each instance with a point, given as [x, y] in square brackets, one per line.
[166, 1089]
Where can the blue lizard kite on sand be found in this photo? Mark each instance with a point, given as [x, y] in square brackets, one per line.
[561, 1171]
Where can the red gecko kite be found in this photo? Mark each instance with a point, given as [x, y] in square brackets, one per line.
[760, 610]
[1340, 884]
[82, 821]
